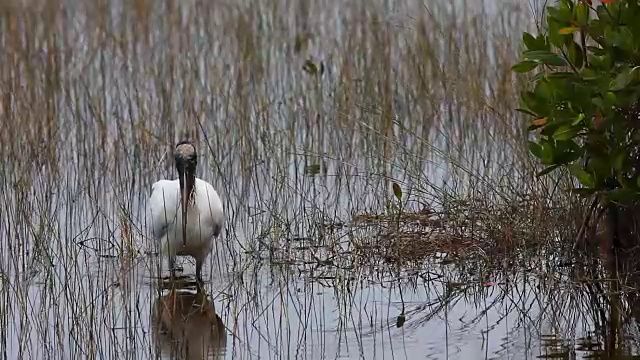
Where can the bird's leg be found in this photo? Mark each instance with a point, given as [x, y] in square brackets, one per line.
[199, 271]
[172, 266]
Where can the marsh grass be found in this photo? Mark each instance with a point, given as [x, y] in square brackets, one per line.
[305, 113]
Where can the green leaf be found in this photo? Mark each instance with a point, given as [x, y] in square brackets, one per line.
[582, 13]
[603, 14]
[525, 111]
[312, 170]
[554, 61]
[548, 152]
[625, 39]
[618, 160]
[566, 132]
[544, 91]
[610, 98]
[533, 103]
[595, 50]
[622, 194]
[545, 57]
[578, 119]
[536, 149]
[575, 55]
[397, 191]
[621, 81]
[547, 170]
[600, 168]
[543, 42]
[599, 103]
[551, 128]
[590, 74]
[562, 75]
[539, 76]
[524, 66]
[529, 41]
[559, 14]
[635, 73]
[624, 180]
[567, 157]
[584, 177]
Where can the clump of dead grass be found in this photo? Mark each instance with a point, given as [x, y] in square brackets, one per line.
[494, 236]
[469, 228]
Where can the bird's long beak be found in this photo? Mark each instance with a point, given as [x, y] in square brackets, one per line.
[186, 187]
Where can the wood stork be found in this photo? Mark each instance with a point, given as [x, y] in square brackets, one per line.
[191, 199]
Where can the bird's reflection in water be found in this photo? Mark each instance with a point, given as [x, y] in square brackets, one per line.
[186, 326]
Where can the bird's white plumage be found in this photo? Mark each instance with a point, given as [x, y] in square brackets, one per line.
[205, 219]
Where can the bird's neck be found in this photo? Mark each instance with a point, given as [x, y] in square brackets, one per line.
[188, 182]
[192, 193]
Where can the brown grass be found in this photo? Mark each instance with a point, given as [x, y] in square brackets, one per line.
[463, 230]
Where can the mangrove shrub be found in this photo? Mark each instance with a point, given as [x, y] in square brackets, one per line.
[583, 99]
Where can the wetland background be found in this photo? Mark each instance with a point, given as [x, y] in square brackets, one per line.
[305, 113]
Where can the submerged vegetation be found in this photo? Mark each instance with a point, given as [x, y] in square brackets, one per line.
[373, 167]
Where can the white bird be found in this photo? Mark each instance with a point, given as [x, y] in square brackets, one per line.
[189, 198]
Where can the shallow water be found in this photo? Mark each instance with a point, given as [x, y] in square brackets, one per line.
[293, 158]
[263, 313]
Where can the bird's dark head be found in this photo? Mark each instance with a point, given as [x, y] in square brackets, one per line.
[186, 159]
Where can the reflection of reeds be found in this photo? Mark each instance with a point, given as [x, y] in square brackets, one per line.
[186, 326]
